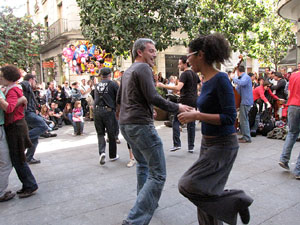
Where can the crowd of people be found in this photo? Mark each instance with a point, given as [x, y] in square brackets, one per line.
[29, 111]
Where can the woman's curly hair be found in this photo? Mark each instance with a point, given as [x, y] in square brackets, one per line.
[214, 46]
[11, 73]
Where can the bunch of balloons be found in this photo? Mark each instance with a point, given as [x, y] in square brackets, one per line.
[83, 57]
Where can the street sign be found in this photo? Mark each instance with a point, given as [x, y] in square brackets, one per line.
[48, 64]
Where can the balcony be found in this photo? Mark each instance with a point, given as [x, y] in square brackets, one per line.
[57, 28]
[60, 32]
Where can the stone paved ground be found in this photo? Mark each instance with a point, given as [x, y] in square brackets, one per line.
[74, 189]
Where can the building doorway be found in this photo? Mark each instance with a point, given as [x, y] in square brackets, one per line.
[172, 65]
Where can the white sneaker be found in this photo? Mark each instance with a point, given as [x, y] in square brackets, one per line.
[102, 159]
[191, 150]
[114, 159]
[131, 163]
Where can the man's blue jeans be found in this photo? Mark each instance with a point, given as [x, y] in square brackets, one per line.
[37, 126]
[191, 129]
[148, 151]
[293, 134]
[244, 122]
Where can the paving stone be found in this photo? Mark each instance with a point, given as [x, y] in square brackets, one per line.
[75, 190]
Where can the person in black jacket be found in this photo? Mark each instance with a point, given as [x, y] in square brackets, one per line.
[188, 87]
[66, 94]
[280, 86]
[36, 123]
[105, 114]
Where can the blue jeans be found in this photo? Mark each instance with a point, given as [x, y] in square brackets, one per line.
[148, 151]
[293, 134]
[244, 121]
[78, 127]
[37, 127]
[176, 133]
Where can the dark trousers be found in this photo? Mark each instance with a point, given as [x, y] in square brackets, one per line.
[18, 141]
[78, 127]
[84, 105]
[23, 171]
[106, 119]
[203, 184]
[57, 120]
[191, 129]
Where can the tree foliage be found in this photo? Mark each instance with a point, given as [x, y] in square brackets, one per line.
[116, 24]
[272, 37]
[252, 27]
[233, 18]
[20, 39]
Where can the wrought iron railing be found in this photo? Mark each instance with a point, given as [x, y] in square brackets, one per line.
[57, 28]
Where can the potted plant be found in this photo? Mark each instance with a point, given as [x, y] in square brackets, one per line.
[161, 114]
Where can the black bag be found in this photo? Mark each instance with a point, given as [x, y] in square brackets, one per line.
[268, 126]
[252, 114]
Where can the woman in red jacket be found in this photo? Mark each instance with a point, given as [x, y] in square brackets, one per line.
[17, 131]
[259, 93]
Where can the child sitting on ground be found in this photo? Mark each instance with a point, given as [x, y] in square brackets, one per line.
[77, 117]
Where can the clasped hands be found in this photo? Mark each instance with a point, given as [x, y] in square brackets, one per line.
[187, 114]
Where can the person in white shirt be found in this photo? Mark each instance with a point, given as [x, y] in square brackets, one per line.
[85, 90]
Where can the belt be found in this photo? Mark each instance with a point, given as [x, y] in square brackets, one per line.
[104, 107]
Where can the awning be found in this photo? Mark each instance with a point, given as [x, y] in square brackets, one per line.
[290, 58]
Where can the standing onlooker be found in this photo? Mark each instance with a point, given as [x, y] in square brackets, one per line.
[105, 114]
[171, 84]
[280, 86]
[203, 183]
[76, 94]
[244, 88]
[136, 97]
[293, 124]
[36, 123]
[77, 118]
[17, 131]
[66, 94]
[85, 90]
[90, 101]
[51, 94]
[187, 85]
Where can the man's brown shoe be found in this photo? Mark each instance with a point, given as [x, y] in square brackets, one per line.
[7, 196]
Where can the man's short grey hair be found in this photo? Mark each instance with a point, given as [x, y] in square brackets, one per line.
[140, 44]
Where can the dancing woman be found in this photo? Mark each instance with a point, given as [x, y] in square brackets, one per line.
[203, 183]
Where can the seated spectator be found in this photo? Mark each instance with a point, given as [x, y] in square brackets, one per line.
[77, 117]
[67, 114]
[44, 113]
[66, 93]
[56, 115]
